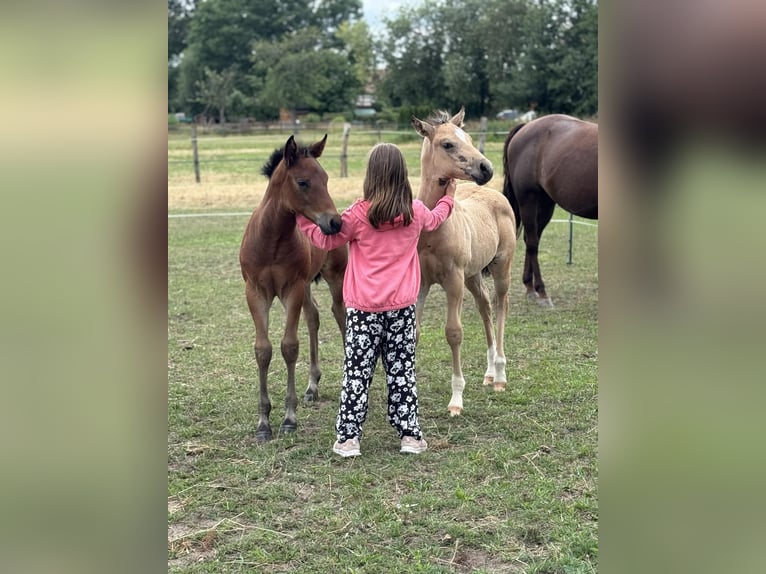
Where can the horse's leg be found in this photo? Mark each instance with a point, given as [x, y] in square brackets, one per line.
[293, 302]
[501, 273]
[421, 303]
[453, 286]
[311, 313]
[545, 208]
[259, 309]
[332, 272]
[528, 216]
[480, 294]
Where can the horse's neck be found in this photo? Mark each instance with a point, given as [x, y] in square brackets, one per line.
[276, 221]
[430, 192]
[430, 189]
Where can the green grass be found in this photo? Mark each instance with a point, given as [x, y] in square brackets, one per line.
[509, 486]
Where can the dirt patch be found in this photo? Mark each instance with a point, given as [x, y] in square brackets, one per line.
[196, 539]
[190, 543]
[471, 559]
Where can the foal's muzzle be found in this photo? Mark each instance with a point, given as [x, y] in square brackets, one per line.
[482, 173]
[329, 224]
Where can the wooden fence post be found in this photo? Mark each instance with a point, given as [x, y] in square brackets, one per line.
[194, 150]
[344, 151]
[482, 133]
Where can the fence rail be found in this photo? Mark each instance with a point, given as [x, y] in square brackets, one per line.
[361, 136]
[340, 153]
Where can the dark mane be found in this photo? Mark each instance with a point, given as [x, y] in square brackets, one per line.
[276, 156]
[269, 167]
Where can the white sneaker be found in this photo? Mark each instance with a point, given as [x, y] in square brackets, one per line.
[348, 448]
[412, 445]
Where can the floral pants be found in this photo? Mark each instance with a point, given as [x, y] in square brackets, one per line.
[389, 335]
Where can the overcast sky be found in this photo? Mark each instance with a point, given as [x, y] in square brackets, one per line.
[375, 10]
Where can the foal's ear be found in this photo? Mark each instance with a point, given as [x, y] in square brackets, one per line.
[423, 128]
[290, 155]
[316, 149]
[458, 118]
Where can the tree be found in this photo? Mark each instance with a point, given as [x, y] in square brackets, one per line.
[222, 34]
[574, 76]
[506, 35]
[301, 73]
[216, 90]
[412, 49]
[561, 56]
[329, 15]
[179, 15]
[360, 50]
[487, 54]
[466, 60]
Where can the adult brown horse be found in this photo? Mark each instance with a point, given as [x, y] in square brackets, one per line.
[548, 161]
[480, 235]
[277, 260]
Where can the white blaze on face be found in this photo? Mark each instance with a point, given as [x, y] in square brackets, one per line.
[461, 134]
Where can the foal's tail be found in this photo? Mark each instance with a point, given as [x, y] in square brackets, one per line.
[507, 185]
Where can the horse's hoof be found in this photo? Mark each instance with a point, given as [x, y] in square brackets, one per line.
[263, 435]
[454, 411]
[499, 387]
[311, 397]
[488, 381]
[545, 302]
[288, 427]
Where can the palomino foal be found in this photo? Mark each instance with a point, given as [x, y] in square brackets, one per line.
[277, 260]
[480, 235]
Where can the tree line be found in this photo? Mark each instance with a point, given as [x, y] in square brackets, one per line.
[234, 59]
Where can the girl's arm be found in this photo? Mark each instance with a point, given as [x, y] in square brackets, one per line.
[442, 209]
[319, 239]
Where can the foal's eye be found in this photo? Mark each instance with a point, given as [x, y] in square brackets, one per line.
[303, 183]
[447, 145]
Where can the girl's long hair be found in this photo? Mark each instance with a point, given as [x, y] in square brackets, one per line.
[386, 186]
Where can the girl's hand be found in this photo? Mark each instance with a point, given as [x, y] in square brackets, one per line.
[450, 189]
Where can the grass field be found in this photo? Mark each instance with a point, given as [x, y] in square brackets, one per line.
[509, 486]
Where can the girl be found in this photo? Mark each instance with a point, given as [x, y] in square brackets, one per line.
[380, 289]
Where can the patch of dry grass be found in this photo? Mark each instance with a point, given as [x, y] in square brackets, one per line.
[231, 178]
[233, 192]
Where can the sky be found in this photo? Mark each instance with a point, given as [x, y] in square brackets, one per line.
[375, 10]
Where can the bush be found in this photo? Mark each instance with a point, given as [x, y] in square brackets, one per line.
[405, 113]
[388, 116]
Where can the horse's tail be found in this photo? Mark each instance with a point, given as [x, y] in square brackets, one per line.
[507, 185]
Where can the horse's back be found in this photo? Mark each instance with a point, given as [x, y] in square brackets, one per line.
[559, 154]
[569, 167]
[482, 204]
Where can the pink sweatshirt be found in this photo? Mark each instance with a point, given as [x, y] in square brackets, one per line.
[383, 270]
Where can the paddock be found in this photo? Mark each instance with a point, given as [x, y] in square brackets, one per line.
[510, 486]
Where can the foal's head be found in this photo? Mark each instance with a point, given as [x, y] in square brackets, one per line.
[448, 151]
[301, 183]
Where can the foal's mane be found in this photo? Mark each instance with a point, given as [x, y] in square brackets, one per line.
[276, 156]
[441, 117]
